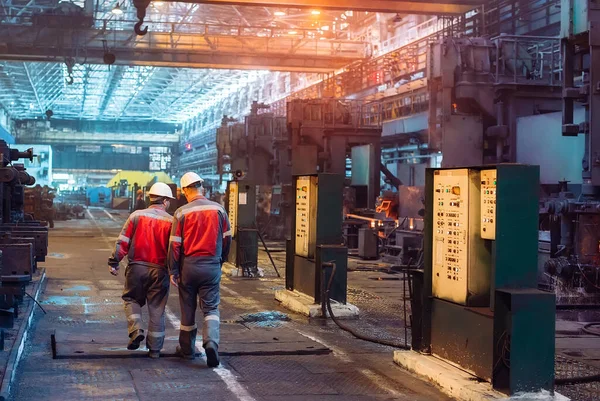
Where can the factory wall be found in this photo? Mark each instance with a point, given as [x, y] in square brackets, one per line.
[540, 141]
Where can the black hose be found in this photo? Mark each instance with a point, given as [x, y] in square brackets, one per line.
[577, 380]
[349, 329]
[586, 328]
[582, 379]
[266, 249]
[36, 302]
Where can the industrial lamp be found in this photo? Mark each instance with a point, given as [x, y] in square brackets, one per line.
[117, 9]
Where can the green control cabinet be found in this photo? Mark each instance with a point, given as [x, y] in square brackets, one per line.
[478, 302]
[316, 240]
[241, 209]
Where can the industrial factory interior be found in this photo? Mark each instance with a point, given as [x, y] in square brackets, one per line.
[318, 200]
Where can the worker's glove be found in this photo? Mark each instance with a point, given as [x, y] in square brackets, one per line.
[175, 280]
[113, 270]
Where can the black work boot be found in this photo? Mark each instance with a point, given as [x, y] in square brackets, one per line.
[183, 355]
[135, 339]
[212, 354]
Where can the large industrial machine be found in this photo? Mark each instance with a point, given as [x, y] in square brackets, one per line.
[482, 94]
[477, 303]
[255, 155]
[325, 133]
[23, 241]
[319, 136]
[257, 152]
[570, 262]
[464, 111]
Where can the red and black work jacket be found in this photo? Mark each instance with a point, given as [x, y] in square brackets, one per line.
[200, 231]
[144, 238]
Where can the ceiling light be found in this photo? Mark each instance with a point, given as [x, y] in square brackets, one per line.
[117, 9]
[315, 12]
[158, 3]
[292, 32]
[279, 13]
[325, 28]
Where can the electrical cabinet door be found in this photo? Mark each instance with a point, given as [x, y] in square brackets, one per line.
[461, 265]
[451, 236]
[306, 213]
[488, 204]
[232, 210]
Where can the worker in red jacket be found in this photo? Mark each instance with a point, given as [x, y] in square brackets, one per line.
[200, 241]
[145, 240]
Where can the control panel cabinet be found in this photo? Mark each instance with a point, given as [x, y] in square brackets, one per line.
[316, 240]
[461, 263]
[478, 295]
[241, 210]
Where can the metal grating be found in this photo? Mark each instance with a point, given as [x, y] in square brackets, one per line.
[567, 368]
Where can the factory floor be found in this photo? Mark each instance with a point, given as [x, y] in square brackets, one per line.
[269, 354]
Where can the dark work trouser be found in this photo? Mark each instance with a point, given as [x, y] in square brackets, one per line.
[147, 284]
[199, 279]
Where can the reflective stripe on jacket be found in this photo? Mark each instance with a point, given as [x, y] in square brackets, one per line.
[144, 238]
[200, 230]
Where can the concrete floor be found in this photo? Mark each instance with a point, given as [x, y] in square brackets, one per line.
[85, 310]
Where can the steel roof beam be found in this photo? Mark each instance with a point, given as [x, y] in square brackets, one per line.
[184, 59]
[162, 49]
[34, 88]
[430, 7]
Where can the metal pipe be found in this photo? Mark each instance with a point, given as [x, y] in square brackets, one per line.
[356, 216]
[429, 156]
[35, 92]
[518, 37]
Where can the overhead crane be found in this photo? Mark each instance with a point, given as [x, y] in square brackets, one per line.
[424, 7]
[432, 7]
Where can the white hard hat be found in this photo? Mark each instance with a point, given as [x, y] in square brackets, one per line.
[189, 179]
[161, 189]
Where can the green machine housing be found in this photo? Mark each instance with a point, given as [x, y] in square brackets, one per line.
[241, 209]
[316, 238]
[477, 304]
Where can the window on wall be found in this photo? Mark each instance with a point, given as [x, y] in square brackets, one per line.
[133, 150]
[160, 158]
[88, 148]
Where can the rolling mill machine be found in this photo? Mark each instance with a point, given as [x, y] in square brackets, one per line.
[493, 101]
[256, 155]
[23, 241]
[570, 262]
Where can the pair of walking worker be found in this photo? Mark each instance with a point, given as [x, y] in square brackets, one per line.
[187, 250]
